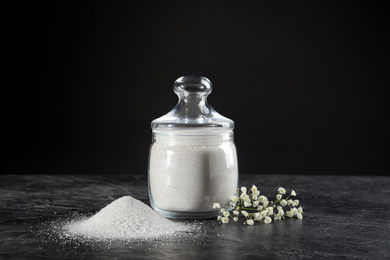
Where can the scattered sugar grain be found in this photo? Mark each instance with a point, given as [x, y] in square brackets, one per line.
[125, 219]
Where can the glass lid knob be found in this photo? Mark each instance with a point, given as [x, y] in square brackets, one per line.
[192, 110]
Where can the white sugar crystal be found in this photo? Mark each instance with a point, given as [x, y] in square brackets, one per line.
[125, 218]
[190, 178]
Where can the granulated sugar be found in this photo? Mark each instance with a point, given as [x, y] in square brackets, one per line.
[125, 219]
[191, 177]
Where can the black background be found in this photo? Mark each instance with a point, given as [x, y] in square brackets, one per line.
[304, 82]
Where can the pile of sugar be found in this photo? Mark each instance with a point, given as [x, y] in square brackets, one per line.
[125, 219]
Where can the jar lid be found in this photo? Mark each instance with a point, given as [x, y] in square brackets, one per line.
[192, 110]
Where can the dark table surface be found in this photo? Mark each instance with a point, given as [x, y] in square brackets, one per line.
[345, 217]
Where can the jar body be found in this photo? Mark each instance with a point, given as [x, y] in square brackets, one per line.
[190, 170]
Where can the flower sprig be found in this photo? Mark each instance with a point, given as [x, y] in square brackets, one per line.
[257, 208]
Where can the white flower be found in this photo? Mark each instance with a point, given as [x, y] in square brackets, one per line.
[254, 189]
[267, 220]
[294, 211]
[250, 222]
[281, 190]
[216, 205]
[247, 204]
[234, 199]
[225, 220]
[263, 198]
[244, 197]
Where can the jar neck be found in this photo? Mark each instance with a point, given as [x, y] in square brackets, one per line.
[194, 136]
[193, 105]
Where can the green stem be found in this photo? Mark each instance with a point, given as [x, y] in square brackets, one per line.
[248, 209]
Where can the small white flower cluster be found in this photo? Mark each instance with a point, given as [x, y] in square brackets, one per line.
[255, 207]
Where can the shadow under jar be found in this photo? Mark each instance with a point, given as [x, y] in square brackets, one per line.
[193, 158]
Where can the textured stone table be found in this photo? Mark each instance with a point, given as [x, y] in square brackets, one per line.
[345, 217]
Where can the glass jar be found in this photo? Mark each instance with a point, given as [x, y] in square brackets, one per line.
[192, 159]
